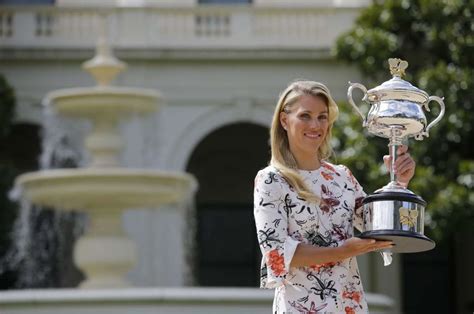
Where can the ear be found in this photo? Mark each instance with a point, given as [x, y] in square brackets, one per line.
[284, 119]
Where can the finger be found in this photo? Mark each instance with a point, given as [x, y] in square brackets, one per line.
[367, 244]
[408, 166]
[403, 159]
[403, 155]
[368, 241]
[376, 243]
[364, 241]
[384, 245]
[402, 149]
[383, 242]
[387, 160]
[405, 165]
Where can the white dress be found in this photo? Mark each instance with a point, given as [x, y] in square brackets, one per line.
[284, 220]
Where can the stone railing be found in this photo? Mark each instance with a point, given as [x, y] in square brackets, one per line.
[153, 300]
[198, 27]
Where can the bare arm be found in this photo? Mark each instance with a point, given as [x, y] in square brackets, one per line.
[307, 254]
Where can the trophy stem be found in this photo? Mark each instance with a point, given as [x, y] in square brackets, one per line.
[395, 141]
[393, 153]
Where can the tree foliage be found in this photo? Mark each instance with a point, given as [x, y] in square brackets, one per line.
[436, 37]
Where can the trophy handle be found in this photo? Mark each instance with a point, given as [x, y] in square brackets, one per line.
[351, 101]
[438, 118]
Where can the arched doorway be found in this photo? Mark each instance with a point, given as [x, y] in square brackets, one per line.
[225, 164]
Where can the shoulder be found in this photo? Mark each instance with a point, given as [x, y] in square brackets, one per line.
[336, 169]
[340, 170]
[271, 177]
[269, 173]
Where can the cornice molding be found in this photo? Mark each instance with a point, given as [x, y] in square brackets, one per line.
[36, 54]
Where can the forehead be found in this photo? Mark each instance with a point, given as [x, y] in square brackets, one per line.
[311, 103]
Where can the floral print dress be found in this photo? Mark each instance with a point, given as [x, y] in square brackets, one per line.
[284, 220]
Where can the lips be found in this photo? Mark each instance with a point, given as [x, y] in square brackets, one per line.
[314, 135]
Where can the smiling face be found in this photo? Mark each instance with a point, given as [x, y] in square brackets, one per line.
[306, 123]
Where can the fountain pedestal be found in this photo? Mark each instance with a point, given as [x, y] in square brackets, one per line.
[105, 254]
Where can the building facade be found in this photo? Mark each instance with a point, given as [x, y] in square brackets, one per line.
[220, 66]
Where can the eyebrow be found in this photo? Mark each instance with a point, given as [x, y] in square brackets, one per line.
[309, 111]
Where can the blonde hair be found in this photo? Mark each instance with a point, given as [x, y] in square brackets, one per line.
[282, 158]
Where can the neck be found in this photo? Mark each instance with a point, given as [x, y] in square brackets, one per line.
[306, 162]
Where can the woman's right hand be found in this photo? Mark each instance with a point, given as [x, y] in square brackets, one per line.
[357, 246]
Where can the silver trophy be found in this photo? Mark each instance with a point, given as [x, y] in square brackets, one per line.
[393, 212]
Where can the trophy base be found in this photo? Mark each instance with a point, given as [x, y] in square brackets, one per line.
[405, 241]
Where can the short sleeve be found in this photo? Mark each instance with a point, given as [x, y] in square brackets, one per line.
[359, 196]
[271, 220]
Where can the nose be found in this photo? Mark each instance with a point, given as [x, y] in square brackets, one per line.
[315, 123]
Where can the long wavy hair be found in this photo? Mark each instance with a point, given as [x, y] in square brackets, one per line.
[282, 158]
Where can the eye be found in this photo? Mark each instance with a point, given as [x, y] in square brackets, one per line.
[323, 117]
[305, 116]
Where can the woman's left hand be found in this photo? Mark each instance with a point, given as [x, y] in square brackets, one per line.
[404, 165]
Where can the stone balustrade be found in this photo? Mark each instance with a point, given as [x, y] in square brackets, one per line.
[153, 300]
[198, 27]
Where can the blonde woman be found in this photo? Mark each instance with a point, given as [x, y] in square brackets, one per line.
[305, 209]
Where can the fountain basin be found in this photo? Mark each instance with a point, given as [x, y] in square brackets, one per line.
[104, 253]
[94, 188]
[88, 102]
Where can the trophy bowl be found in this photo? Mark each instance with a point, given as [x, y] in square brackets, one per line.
[393, 212]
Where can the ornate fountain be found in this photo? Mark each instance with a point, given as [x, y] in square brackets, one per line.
[104, 190]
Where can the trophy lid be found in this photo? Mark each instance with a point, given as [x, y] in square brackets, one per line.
[397, 88]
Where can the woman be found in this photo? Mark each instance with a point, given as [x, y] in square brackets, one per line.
[305, 209]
